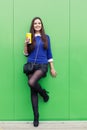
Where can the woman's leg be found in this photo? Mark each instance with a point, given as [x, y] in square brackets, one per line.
[34, 101]
[33, 83]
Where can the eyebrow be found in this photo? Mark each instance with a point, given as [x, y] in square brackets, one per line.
[37, 22]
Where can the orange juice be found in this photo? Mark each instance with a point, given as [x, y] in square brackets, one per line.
[29, 36]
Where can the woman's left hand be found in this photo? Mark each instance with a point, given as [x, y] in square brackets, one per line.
[53, 72]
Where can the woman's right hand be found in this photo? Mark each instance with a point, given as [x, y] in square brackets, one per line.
[27, 40]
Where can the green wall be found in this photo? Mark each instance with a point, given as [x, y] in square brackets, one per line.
[66, 23]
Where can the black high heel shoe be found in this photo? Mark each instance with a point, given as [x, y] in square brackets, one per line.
[45, 95]
[36, 121]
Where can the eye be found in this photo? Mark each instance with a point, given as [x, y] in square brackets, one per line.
[35, 23]
[39, 23]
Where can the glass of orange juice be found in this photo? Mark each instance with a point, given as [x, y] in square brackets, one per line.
[29, 36]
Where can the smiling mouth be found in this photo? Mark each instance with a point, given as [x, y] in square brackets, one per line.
[37, 27]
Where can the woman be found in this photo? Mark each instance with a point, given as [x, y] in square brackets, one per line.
[39, 53]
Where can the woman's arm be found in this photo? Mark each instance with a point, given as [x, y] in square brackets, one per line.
[50, 59]
[25, 48]
[52, 70]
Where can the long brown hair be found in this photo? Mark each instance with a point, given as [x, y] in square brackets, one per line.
[42, 32]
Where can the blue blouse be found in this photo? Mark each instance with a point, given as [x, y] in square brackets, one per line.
[39, 54]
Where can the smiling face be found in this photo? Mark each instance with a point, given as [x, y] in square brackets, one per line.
[37, 25]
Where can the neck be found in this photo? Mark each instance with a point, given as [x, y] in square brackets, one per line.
[37, 32]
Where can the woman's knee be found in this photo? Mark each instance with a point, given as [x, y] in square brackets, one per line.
[31, 83]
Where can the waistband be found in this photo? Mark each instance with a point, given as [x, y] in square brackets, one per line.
[38, 63]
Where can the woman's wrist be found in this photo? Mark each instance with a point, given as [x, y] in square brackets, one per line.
[25, 43]
[51, 65]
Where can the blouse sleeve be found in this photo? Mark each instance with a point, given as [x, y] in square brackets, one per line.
[49, 52]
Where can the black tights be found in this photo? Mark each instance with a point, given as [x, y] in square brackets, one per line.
[34, 100]
[35, 89]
